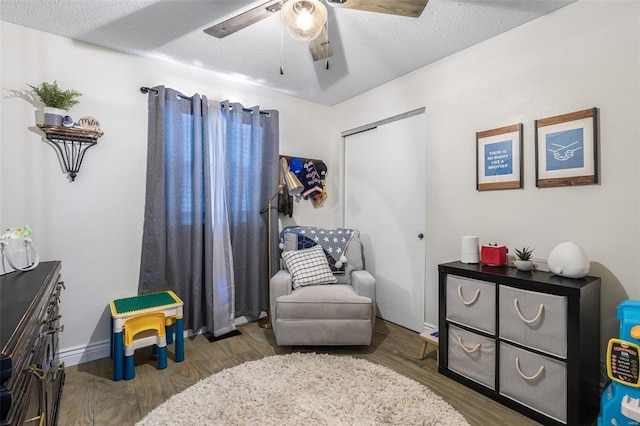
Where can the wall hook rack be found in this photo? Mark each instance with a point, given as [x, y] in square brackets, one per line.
[71, 144]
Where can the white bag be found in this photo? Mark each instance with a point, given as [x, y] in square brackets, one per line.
[18, 254]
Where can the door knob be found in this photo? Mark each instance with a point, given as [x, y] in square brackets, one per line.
[421, 235]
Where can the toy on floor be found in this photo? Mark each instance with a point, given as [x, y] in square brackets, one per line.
[620, 403]
[155, 314]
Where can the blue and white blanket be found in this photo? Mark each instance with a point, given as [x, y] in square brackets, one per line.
[333, 241]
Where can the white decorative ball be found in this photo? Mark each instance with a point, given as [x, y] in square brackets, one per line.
[343, 258]
[338, 264]
[281, 246]
[568, 260]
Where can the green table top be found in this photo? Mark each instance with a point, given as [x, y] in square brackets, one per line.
[145, 301]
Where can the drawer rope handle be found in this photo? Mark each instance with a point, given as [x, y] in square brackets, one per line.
[536, 318]
[469, 351]
[472, 301]
[535, 376]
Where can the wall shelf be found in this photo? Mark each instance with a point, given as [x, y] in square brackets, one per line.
[71, 144]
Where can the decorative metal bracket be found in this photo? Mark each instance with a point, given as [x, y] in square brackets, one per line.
[71, 144]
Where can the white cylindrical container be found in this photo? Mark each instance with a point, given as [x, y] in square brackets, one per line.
[470, 249]
[53, 116]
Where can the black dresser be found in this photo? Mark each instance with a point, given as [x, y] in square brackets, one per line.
[529, 340]
[31, 378]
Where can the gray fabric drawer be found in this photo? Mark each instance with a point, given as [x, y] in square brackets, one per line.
[543, 325]
[545, 392]
[472, 356]
[472, 303]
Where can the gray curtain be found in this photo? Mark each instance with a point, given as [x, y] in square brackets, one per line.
[178, 244]
[253, 145]
[203, 235]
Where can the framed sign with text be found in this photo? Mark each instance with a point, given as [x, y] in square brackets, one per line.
[499, 158]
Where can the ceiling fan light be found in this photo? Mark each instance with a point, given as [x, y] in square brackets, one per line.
[303, 19]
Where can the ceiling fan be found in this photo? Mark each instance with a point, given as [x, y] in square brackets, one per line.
[306, 19]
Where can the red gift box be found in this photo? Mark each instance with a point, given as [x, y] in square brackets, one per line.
[493, 255]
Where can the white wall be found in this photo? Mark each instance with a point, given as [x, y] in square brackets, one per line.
[584, 55]
[94, 225]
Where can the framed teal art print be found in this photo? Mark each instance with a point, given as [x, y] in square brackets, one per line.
[499, 158]
[567, 149]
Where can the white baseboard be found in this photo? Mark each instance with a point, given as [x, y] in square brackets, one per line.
[81, 354]
[429, 328]
[93, 351]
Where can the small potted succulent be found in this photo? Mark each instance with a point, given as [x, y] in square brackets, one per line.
[56, 101]
[523, 259]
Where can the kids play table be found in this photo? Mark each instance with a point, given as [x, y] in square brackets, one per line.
[122, 309]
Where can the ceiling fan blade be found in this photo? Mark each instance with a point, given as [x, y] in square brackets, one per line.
[410, 8]
[320, 47]
[245, 19]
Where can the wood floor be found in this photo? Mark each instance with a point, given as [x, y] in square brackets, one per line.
[91, 397]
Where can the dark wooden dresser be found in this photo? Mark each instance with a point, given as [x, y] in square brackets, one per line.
[31, 377]
[529, 340]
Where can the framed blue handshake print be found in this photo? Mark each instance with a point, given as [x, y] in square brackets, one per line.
[499, 158]
[567, 149]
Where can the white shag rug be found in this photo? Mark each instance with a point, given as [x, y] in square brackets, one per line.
[305, 389]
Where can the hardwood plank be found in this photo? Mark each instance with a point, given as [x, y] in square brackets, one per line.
[114, 402]
[91, 396]
[76, 403]
[152, 386]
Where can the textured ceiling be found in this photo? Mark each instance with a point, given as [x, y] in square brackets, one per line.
[369, 48]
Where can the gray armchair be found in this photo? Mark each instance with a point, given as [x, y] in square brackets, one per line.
[337, 314]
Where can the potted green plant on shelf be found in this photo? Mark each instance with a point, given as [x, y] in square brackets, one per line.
[523, 261]
[56, 101]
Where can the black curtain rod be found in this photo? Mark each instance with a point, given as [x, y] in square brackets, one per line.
[145, 90]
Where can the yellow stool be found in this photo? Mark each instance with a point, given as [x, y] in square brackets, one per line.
[142, 331]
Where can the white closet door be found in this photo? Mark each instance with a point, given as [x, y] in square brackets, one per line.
[385, 200]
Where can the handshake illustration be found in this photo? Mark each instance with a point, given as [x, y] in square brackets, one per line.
[563, 153]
